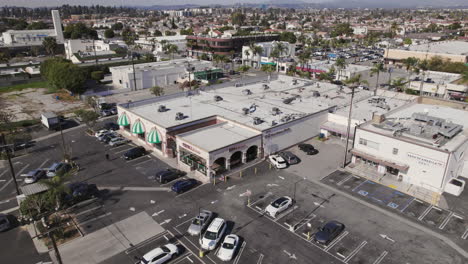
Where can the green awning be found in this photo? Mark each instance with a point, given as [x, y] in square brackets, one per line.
[137, 128]
[123, 120]
[153, 137]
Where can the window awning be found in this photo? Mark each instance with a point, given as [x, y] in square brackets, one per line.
[123, 120]
[137, 127]
[385, 162]
[153, 137]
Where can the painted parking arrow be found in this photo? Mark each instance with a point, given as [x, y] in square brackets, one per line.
[231, 187]
[182, 216]
[158, 213]
[384, 236]
[281, 177]
[318, 204]
[165, 221]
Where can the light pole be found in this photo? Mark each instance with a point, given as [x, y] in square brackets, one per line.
[12, 170]
[349, 126]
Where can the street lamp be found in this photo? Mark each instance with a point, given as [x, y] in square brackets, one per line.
[189, 69]
[349, 126]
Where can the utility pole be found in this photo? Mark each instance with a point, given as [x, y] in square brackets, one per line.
[12, 170]
[54, 245]
[95, 55]
[134, 75]
[64, 149]
[349, 127]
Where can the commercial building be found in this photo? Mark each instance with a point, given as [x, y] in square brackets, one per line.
[212, 131]
[439, 84]
[419, 145]
[156, 44]
[322, 66]
[257, 60]
[34, 37]
[199, 45]
[455, 51]
[147, 75]
[77, 50]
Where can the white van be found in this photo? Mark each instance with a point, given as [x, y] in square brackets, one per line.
[213, 234]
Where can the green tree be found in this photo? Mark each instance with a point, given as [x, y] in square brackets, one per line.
[340, 63]
[4, 57]
[157, 90]
[129, 36]
[255, 50]
[63, 74]
[88, 117]
[399, 84]
[268, 68]
[57, 189]
[243, 69]
[109, 33]
[342, 29]
[170, 33]
[157, 33]
[117, 26]
[170, 49]
[238, 18]
[407, 41]
[288, 36]
[410, 65]
[37, 25]
[97, 75]
[356, 80]
[50, 45]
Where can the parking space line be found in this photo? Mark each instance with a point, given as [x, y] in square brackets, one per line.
[191, 190]
[181, 258]
[338, 239]
[142, 162]
[89, 210]
[120, 151]
[185, 222]
[95, 218]
[18, 173]
[355, 188]
[260, 259]
[465, 235]
[304, 221]
[144, 156]
[446, 220]
[425, 212]
[407, 205]
[43, 163]
[286, 213]
[241, 250]
[3, 173]
[195, 246]
[146, 242]
[268, 194]
[380, 258]
[345, 180]
[355, 251]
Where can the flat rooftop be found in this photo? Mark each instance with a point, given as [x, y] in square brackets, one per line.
[249, 102]
[164, 65]
[440, 77]
[326, 65]
[220, 136]
[404, 118]
[449, 47]
[363, 110]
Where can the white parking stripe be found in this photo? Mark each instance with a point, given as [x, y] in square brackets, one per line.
[142, 162]
[95, 218]
[146, 242]
[236, 260]
[286, 212]
[446, 220]
[465, 235]
[191, 190]
[89, 210]
[425, 212]
[355, 251]
[43, 163]
[120, 151]
[381, 257]
[260, 259]
[17, 173]
[139, 158]
[338, 239]
[185, 246]
[264, 197]
[3, 173]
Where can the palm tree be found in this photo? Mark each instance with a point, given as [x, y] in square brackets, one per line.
[243, 69]
[57, 188]
[393, 29]
[247, 53]
[399, 83]
[279, 49]
[340, 64]
[170, 49]
[377, 69]
[268, 68]
[356, 80]
[256, 50]
[410, 65]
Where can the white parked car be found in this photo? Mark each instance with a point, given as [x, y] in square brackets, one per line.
[117, 141]
[101, 132]
[160, 255]
[278, 161]
[278, 206]
[228, 247]
[213, 234]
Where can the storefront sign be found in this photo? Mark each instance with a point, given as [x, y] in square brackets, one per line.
[278, 132]
[231, 149]
[187, 146]
[424, 160]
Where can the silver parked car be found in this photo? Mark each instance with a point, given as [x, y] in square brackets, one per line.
[200, 222]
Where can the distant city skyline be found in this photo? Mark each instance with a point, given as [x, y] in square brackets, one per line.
[346, 3]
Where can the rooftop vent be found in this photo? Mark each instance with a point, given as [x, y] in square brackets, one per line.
[294, 82]
[265, 86]
[162, 108]
[315, 94]
[245, 110]
[275, 111]
[288, 100]
[217, 98]
[257, 121]
[246, 92]
[179, 116]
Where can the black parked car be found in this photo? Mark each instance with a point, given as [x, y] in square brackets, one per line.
[5, 223]
[328, 232]
[111, 126]
[168, 175]
[308, 149]
[134, 153]
[80, 191]
[184, 185]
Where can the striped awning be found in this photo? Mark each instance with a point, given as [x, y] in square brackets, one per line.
[137, 128]
[123, 120]
[153, 137]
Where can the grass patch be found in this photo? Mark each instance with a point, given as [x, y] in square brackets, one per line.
[19, 124]
[20, 87]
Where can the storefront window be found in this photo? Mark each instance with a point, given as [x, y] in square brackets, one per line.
[195, 162]
[142, 136]
[158, 146]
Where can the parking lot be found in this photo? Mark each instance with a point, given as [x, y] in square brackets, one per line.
[441, 220]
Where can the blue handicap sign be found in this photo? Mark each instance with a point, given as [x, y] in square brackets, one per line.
[392, 205]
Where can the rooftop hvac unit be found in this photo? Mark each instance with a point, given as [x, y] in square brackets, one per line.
[179, 116]
[294, 82]
[288, 100]
[257, 121]
[246, 92]
[162, 108]
[245, 110]
[218, 98]
[265, 86]
[273, 123]
[275, 111]
[315, 94]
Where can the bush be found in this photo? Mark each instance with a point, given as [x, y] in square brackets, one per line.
[97, 75]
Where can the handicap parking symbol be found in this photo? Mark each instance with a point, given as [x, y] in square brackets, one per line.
[392, 205]
[363, 193]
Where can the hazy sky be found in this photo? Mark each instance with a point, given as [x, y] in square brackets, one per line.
[36, 3]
